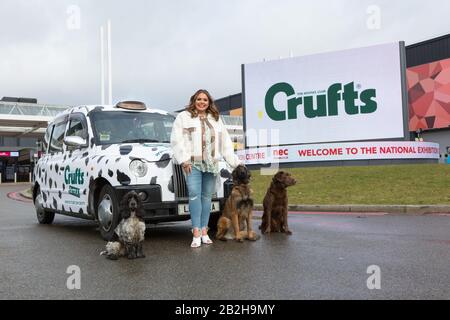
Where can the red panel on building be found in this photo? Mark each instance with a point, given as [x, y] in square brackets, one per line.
[429, 95]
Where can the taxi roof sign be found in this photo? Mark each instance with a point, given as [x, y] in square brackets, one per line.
[131, 105]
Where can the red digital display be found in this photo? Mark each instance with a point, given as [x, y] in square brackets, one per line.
[9, 154]
[429, 95]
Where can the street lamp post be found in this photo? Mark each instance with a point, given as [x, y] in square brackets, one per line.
[109, 62]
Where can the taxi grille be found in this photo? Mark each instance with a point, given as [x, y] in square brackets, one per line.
[179, 182]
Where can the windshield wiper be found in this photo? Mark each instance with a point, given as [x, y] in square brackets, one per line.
[139, 140]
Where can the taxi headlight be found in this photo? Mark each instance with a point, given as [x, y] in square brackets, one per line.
[138, 167]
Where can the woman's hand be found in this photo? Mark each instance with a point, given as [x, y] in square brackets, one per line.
[187, 167]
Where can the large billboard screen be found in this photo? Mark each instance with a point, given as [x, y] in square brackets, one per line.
[429, 95]
[350, 95]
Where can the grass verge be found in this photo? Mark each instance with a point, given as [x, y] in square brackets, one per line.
[424, 184]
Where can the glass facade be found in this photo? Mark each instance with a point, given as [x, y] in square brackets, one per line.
[22, 138]
[30, 109]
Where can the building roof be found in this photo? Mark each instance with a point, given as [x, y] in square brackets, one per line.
[18, 119]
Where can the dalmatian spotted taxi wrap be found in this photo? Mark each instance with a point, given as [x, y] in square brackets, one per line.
[64, 178]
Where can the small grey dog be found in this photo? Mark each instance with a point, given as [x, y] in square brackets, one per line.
[130, 231]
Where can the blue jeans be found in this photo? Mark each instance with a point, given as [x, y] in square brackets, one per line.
[201, 186]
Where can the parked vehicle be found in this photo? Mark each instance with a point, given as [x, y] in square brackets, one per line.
[93, 155]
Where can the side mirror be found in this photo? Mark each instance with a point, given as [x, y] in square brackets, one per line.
[74, 141]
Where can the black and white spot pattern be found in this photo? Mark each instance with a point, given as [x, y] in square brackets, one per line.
[66, 178]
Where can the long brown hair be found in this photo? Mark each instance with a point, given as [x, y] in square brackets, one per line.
[212, 109]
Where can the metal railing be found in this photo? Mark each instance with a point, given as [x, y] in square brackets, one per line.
[31, 109]
[232, 120]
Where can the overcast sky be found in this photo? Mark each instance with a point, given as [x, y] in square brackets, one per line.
[163, 51]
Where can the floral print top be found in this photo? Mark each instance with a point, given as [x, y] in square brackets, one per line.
[207, 164]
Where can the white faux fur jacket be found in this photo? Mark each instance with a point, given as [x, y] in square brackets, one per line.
[186, 139]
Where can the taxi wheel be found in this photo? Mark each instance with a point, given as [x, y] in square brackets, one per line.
[108, 212]
[43, 216]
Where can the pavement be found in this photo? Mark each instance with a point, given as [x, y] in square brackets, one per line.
[329, 256]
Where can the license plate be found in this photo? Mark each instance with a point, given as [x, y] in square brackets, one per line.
[184, 207]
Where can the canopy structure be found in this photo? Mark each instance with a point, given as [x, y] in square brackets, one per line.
[26, 119]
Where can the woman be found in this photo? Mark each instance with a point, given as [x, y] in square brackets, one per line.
[198, 139]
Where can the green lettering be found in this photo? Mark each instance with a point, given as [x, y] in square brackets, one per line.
[271, 111]
[321, 110]
[326, 105]
[76, 177]
[292, 107]
[67, 175]
[367, 97]
[81, 178]
[349, 97]
[334, 97]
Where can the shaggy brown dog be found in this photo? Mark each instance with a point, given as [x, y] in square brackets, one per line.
[275, 204]
[236, 220]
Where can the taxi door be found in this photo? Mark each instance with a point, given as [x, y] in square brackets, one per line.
[74, 171]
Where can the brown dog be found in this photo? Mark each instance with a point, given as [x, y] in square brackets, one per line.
[236, 219]
[275, 204]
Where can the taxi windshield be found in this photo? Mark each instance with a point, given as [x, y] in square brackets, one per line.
[112, 127]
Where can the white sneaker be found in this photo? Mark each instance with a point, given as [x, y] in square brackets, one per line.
[196, 242]
[206, 240]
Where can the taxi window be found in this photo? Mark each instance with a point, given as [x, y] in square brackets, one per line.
[46, 141]
[56, 141]
[128, 127]
[76, 128]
